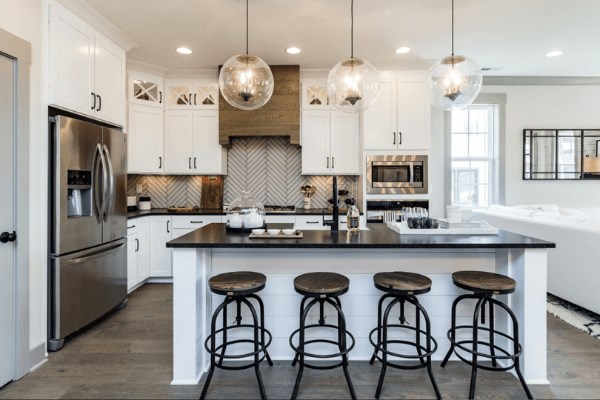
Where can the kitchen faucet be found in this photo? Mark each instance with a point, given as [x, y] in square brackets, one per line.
[336, 210]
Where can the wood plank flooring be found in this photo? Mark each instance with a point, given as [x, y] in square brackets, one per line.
[128, 355]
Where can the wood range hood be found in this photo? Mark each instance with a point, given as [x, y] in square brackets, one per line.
[279, 117]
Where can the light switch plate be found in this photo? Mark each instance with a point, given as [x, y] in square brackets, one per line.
[139, 188]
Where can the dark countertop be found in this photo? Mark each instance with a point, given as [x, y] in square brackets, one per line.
[207, 211]
[379, 237]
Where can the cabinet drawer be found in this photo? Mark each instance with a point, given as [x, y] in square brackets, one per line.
[310, 222]
[280, 219]
[132, 227]
[194, 221]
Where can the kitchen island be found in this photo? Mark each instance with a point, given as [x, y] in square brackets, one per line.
[211, 250]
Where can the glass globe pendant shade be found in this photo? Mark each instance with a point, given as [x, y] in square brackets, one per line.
[246, 82]
[353, 85]
[454, 82]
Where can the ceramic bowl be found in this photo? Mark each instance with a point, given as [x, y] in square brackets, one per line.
[274, 231]
[258, 231]
[288, 231]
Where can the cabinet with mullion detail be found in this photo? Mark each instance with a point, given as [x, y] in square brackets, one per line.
[145, 89]
[202, 94]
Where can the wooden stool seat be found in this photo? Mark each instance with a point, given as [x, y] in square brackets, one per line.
[239, 283]
[315, 284]
[484, 282]
[406, 283]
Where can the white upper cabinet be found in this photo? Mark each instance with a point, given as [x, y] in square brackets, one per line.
[200, 94]
[330, 143]
[399, 118]
[86, 70]
[192, 143]
[145, 153]
[145, 89]
[314, 95]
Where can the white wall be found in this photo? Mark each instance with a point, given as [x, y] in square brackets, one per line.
[547, 107]
[27, 19]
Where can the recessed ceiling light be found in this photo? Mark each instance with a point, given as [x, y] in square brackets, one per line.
[183, 50]
[554, 53]
[293, 50]
[402, 50]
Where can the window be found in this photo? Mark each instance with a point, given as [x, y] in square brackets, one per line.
[473, 149]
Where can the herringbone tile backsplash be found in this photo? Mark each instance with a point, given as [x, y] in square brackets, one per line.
[269, 168]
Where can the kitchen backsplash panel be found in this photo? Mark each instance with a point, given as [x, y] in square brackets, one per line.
[168, 190]
[269, 168]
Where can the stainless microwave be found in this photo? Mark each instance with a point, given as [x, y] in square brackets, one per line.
[396, 174]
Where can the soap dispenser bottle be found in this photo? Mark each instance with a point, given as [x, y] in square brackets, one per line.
[353, 218]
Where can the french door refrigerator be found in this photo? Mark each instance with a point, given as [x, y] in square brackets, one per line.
[88, 225]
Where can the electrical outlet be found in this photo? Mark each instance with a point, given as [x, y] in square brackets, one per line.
[139, 188]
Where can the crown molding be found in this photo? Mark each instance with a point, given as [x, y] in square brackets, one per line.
[99, 22]
[540, 80]
[140, 66]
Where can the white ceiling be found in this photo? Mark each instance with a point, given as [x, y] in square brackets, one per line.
[511, 36]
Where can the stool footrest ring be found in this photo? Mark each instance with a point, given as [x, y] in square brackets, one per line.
[329, 341]
[220, 356]
[379, 347]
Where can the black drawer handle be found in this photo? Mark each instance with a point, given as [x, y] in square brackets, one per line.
[196, 222]
[130, 227]
[313, 222]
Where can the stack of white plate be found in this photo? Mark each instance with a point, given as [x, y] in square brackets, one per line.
[453, 214]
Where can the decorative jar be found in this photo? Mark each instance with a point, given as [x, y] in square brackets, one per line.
[245, 213]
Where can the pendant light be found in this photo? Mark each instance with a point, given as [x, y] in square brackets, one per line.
[454, 81]
[246, 81]
[353, 83]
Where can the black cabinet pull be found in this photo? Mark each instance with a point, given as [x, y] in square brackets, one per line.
[159, 162]
[190, 162]
[399, 137]
[195, 163]
[190, 99]
[137, 245]
[196, 222]
[312, 222]
[99, 102]
[131, 227]
[394, 133]
[168, 231]
[94, 98]
[332, 162]
[195, 99]
[160, 97]
[327, 162]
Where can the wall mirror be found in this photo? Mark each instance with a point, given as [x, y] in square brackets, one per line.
[550, 154]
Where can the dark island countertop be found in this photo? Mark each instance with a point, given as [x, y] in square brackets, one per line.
[212, 211]
[378, 237]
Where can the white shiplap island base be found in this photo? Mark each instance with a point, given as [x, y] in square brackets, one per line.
[209, 251]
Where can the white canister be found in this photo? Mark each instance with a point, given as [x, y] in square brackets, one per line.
[144, 203]
[235, 221]
[253, 219]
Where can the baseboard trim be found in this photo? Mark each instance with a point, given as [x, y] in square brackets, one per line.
[37, 357]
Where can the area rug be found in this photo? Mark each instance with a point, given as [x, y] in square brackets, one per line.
[574, 315]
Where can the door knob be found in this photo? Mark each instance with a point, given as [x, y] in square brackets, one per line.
[8, 237]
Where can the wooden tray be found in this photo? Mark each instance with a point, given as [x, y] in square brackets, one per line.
[297, 235]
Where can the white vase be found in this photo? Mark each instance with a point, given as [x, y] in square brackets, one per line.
[307, 203]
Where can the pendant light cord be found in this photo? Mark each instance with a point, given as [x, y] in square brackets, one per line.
[453, 28]
[352, 28]
[247, 26]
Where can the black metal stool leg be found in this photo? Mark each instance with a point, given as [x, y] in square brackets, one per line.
[478, 308]
[261, 308]
[383, 345]
[452, 331]
[257, 345]
[418, 328]
[299, 354]
[342, 341]
[213, 339]
[224, 348]
[379, 309]
[302, 303]
[422, 311]
[492, 335]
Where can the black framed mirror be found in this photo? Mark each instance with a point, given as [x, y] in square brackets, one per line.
[561, 154]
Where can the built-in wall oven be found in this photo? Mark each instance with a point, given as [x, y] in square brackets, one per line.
[396, 174]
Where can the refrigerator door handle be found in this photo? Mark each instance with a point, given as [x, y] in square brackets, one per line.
[98, 203]
[96, 254]
[109, 190]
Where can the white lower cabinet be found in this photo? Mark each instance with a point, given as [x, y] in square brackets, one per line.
[183, 225]
[138, 255]
[160, 256]
[310, 223]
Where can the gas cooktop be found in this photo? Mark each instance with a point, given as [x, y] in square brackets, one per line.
[281, 209]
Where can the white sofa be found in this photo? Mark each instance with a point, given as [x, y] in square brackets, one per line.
[574, 265]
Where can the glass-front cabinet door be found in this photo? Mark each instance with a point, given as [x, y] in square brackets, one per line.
[314, 95]
[192, 94]
[145, 89]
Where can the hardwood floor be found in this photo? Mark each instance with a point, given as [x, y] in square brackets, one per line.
[128, 355]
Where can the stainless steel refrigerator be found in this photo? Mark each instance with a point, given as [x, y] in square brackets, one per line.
[88, 225]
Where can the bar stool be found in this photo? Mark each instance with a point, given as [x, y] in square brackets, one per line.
[320, 288]
[238, 287]
[401, 288]
[484, 285]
